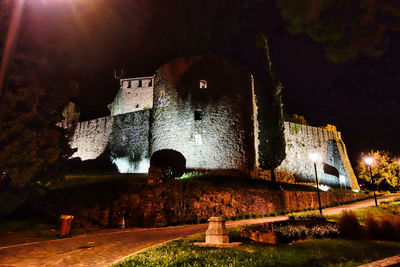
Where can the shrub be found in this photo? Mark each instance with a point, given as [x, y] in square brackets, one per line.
[372, 228]
[309, 215]
[396, 226]
[348, 225]
[292, 232]
[387, 229]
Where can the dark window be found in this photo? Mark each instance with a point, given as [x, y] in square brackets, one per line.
[140, 83]
[151, 83]
[137, 105]
[129, 84]
[198, 115]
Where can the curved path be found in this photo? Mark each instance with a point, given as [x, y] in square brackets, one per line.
[104, 249]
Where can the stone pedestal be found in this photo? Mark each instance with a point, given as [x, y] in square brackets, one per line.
[217, 235]
[216, 232]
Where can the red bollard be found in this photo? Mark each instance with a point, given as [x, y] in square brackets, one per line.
[65, 225]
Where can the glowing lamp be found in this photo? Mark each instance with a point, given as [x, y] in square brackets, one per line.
[368, 160]
[315, 157]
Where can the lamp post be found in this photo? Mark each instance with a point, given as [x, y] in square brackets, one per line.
[368, 160]
[315, 157]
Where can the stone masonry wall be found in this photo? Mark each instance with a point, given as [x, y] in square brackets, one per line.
[187, 202]
[134, 94]
[302, 140]
[125, 137]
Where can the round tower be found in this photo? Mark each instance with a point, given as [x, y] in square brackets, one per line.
[203, 110]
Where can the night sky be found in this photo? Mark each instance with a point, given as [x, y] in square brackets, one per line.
[89, 39]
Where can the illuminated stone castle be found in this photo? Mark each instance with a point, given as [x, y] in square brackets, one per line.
[206, 115]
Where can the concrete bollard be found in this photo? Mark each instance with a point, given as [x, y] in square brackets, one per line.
[217, 232]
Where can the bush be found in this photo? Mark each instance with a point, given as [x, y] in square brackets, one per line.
[349, 226]
[372, 228]
[309, 215]
[387, 229]
[292, 232]
[102, 164]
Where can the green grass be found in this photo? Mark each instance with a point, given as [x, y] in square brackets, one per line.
[391, 209]
[317, 252]
[244, 182]
[72, 181]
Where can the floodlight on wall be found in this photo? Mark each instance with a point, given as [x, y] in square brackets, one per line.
[324, 187]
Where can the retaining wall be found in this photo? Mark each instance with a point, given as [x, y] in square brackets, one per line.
[181, 202]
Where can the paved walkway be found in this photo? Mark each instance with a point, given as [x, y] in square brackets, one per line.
[104, 249]
[391, 261]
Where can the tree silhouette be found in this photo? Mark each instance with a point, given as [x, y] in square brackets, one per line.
[349, 28]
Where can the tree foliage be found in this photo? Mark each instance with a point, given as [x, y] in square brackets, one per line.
[385, 169]
[295, 118]
[270, 115]
[349, 28]
[32, 147]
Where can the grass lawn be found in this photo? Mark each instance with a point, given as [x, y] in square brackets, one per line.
[384, 209]
[313, 252]
[72, 181]
[317, 252]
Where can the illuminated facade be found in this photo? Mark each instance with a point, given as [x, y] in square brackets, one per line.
[204, 109]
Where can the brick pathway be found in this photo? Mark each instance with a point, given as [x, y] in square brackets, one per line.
[104, 249]
[391, 261]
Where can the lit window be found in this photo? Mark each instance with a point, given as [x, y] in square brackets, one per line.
[203, 84]
[198, 115]
[197, 139]
[140, 83]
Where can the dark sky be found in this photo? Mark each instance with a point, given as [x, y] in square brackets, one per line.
[89, 39]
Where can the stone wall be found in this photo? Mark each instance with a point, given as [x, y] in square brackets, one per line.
[125, 137]
[182, 202]
[212, 127]
[134, 94]
[302, 140]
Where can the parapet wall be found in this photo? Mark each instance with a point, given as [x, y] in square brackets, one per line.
[135, 94]
[125, 137]
[302, 140]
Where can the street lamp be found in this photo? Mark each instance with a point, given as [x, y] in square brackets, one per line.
[368, 160]
[315, 157]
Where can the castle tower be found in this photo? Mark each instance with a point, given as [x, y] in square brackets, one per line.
[134, 94]
[203, 110]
